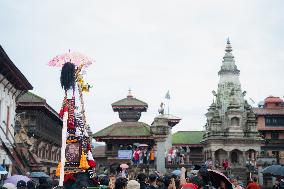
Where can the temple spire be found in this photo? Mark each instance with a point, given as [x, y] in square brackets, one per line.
[129, 93]
[229, 85]
[228, 55]
[228, 46]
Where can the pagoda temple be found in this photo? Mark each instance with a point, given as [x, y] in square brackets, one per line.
[231, 131]
[128, 132]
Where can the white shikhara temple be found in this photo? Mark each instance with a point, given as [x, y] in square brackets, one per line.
[231, 131]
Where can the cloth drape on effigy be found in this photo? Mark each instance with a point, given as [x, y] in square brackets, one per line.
[76, 152]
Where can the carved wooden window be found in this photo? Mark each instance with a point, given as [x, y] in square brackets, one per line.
[32, 120]
[274, 135]
[274, 121]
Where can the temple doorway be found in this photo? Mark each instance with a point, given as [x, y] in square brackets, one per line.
[220, 156]
[235, 157]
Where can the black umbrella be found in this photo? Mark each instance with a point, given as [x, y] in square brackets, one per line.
[196, 167]
[275, 170]
[216, 177]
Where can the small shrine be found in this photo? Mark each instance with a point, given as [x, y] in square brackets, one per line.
[124, 137]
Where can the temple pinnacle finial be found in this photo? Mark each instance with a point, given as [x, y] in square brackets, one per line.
[228, 46]
[129, 93]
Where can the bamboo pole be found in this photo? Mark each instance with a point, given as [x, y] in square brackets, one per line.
[63, 147]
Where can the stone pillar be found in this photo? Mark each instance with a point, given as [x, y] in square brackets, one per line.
[228, 157]
[161, 149]
[244, 157]
[160, 130]
[168, 142]
[213, 157]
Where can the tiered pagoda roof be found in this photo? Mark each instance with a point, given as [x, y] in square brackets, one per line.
[129, 110]
[31, 100]
[125, 130]
[129, 102]
[274, 100]
[12, 73]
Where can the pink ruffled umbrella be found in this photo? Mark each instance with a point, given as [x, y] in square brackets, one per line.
[124, 166]
[74, 57]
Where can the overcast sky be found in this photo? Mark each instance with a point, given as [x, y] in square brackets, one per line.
[150, 46]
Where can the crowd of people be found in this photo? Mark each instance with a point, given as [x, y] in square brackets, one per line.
[178, 155]
[147, 154]
[155, 180]
[167, 181]
[119, 177]
[43, 183]
[143, 156]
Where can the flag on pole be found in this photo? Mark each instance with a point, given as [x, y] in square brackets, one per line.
[168, 95]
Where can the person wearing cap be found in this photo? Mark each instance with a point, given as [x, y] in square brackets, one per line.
[21, 184]
[133, 184]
